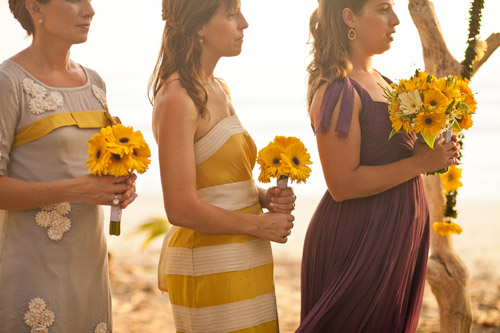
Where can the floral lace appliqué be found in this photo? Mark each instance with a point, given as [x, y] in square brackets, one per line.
[99, 94]
[41, 100]
[38, 317]
[101, 328]
[52, 217]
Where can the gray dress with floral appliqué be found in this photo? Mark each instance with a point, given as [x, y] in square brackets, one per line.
[53, 260]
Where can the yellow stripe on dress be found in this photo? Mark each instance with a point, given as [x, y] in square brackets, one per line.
[221, 288]
[226, 317]
[45, 125]
[205, 147]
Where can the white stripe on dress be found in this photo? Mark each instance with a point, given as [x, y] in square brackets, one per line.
[216, 137]
[231, 196]
[226, 317]
[218, 258]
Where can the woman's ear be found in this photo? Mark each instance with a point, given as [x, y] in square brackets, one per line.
[34, 9]
[350, 19]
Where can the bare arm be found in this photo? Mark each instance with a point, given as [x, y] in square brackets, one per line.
[17, 194]
[175, 121]
[340, 159]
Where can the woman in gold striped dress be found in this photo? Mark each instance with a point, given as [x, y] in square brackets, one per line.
[216, 262]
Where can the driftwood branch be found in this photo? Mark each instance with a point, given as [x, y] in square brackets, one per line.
[436, 54]
[493, 42]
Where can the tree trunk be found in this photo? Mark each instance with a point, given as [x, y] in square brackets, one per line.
[447, 274]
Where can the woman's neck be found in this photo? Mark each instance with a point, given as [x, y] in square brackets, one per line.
[207, 67]
[48, 56]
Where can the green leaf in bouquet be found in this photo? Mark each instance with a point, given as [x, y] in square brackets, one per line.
[462, 106]
[450, 106]
[455, 125]
[392, 133]
[429, 139]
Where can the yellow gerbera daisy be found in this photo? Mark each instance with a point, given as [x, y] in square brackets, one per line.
[98, 155]
[466, 95]
[434, 99]
[297, 159]
[122, 140]
[465, 122]
[140, 159]
[283, 141]
[451, 179]
[400, 122]
[446, 228]
[269, 159]
[119, 165]
[429, 123]
[448, 87]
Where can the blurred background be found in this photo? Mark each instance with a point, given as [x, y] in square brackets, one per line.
[268, 88]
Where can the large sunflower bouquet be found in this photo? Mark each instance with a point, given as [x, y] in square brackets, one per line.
[117, 151]
[430, 106]
[284, 158]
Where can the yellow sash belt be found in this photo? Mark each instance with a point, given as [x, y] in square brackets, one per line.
[42, 127]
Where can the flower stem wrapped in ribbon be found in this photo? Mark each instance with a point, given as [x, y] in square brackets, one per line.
[285, 158]
[117, 151]
[430, 106]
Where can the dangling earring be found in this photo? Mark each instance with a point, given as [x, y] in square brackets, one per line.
[351, 34]
[201, 39]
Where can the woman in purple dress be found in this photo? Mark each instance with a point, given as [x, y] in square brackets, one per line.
[365, 252]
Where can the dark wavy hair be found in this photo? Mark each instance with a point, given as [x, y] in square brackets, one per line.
[180, 48]
[330, 50]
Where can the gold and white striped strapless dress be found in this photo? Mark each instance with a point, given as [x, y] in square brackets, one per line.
[221, 283]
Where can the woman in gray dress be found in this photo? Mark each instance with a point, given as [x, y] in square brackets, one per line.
[53, 256]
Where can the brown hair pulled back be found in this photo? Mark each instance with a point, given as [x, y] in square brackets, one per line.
[18, 9]
[180, 48]
[329, 49]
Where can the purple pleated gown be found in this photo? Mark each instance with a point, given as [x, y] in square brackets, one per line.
[364, 260]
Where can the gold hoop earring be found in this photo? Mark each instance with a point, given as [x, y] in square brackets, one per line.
[352, 34]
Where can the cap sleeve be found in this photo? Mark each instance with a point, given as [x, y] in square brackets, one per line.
[333, 92]
[9, 117]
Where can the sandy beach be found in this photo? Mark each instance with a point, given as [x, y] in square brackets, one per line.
[139, 306]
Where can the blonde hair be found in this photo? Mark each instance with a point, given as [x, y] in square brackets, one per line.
[330, 48]
[18, 9]
[180, 48]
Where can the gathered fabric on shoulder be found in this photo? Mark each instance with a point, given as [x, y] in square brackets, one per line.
[335, 90]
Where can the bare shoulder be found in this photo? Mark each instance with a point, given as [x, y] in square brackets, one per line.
[173, 107]
[224, 86]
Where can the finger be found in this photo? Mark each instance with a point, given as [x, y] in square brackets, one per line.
[131, 179]
[291, 218]
[117, 180]
[129, 200]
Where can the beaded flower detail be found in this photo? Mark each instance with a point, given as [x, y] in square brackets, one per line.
[100, 94]
[101, 328]
[52, 217]
[41, 99]
[38, 317]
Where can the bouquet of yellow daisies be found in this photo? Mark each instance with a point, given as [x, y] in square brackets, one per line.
[430, 106]
[117, 151]
[284, 158]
